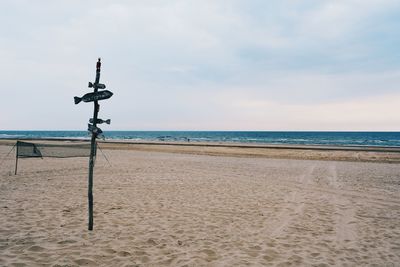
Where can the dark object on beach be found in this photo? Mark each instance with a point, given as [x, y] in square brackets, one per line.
[95, 96]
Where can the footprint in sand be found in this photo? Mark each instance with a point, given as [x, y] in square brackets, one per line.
[315, 254]
[86, 262]
[151, 242]
[124, 253]
[211, 255]
[68, 241]
[270, 255]
[36, 249]
[255, 247]
[109, 250]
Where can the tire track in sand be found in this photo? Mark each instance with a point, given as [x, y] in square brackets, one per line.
[294, 198]
[344, 212]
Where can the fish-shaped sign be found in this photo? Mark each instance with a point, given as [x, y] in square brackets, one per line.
[95, 130]
[100, 121]
[90, 97]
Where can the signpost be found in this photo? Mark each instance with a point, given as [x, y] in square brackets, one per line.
[95, 96]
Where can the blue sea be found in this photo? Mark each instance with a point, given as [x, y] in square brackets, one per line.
[299, 138]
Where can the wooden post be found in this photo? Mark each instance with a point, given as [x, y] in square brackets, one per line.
[16, 160]
[94, 96]
[93, 151]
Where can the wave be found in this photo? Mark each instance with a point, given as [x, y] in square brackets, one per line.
[301, 138]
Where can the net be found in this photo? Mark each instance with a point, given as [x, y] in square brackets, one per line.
[32, 150]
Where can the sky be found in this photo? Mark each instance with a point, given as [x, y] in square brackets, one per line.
[202, 64]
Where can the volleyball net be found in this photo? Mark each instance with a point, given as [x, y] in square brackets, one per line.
[40, 150]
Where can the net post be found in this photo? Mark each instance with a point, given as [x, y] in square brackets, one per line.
[16, 159]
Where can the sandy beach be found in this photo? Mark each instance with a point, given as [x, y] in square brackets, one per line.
[168, 205]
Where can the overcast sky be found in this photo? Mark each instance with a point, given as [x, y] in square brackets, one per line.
[202, 65]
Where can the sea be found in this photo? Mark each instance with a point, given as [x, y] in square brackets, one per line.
[383, 139]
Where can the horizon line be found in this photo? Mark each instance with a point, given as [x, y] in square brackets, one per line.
[63, 130]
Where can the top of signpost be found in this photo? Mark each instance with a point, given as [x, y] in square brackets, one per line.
[98, 65]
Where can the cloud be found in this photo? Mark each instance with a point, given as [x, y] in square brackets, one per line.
[364, 114]
[168, 63]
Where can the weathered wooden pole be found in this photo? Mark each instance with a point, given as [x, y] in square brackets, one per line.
[93, 148]
[94, 97]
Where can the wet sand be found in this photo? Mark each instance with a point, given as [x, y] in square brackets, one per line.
[166, 205]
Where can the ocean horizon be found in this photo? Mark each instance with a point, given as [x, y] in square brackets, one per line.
[336, 138]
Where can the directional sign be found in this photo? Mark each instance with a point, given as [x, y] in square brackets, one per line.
[93, 129]
[101, 136]
[97, 85]
[90, 97]
[100, 121]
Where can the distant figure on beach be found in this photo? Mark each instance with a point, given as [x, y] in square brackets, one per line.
[98, 65]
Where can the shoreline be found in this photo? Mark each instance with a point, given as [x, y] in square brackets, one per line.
[219, 144]
[302, 152]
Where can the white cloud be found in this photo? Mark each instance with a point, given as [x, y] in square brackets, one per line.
[178, 63]
[364, 114]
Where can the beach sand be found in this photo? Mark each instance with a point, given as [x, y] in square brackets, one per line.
[203, 206]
